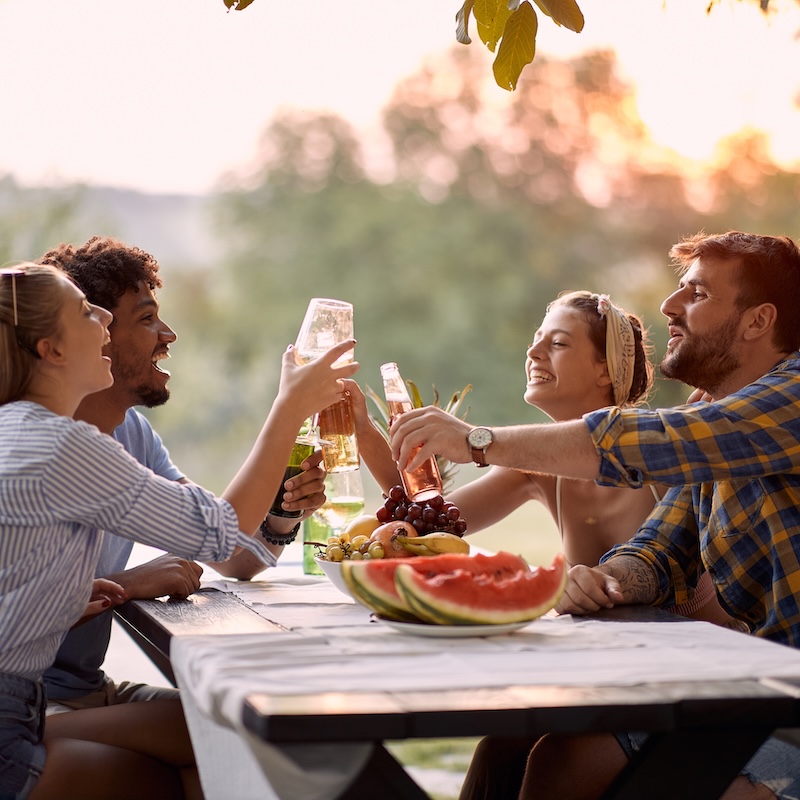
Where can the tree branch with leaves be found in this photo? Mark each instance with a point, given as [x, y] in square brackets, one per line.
[513, 25]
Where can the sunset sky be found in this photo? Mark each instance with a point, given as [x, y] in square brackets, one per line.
[167, 96]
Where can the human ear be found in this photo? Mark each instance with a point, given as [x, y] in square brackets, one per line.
[601, 370]
[49, 350]
[760, 321]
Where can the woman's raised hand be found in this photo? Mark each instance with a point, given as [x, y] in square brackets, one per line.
[318, 383]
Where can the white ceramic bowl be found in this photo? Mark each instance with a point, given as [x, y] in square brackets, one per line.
[333, 569]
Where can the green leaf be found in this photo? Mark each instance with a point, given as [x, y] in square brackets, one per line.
[517, 47]
[563, 12]
[416, 397]
[456, 400]
[382, 419]
[462, 22]
[491, 30]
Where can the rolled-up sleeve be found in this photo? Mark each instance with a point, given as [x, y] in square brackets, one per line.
[668, 541]
[750, 434]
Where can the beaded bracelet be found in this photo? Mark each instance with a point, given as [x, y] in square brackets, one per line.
[279, 539]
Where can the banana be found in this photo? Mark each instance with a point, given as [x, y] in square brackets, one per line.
[434, 544]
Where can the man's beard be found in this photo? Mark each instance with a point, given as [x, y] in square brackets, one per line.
[150, 396]
[127, 373]
[707, 362]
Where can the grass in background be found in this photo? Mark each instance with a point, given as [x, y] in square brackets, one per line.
[530, 532]
[449, 755]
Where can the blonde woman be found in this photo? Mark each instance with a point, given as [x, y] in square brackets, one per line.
[62, 483]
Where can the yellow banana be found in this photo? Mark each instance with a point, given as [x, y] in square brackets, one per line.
[434, 544]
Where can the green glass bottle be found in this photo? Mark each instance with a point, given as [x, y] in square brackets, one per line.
[314, 530]
[300, 452]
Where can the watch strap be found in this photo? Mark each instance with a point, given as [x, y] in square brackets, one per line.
[479, 456]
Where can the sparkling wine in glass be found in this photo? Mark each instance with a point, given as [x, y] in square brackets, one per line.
[344, 494]
[345, 500]
[326, 323]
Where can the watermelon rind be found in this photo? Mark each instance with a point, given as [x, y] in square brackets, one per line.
[369, 595]
[459, 598]
[372, 583]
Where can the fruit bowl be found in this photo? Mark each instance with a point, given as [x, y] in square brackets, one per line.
[333, 571]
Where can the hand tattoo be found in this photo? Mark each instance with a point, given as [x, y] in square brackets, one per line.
[637, 579]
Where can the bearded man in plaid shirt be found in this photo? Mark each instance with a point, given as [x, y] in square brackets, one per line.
[732, 458]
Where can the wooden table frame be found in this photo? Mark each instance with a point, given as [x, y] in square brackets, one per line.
[702, 733]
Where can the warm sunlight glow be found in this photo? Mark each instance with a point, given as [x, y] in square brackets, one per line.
[169, 96]
[699, 76]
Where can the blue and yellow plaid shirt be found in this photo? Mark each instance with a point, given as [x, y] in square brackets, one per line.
[734, 466]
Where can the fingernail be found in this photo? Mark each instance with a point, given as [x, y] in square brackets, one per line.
[106, 602]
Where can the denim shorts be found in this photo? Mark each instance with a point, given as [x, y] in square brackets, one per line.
[112, 694]
[22, 705]
[776, 764]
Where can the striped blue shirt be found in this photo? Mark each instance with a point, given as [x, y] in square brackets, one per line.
[62, 483]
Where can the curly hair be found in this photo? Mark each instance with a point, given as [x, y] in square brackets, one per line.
[105, 268]
[643, 372]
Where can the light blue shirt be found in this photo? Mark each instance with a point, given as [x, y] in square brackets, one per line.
[62, 483]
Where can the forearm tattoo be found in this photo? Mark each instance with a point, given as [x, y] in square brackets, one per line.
[637, 579]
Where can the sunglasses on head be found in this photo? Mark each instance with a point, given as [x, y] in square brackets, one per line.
[15, 273]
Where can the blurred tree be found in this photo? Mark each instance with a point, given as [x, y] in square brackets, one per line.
[33, 220]
[451, 264]
[477, 221]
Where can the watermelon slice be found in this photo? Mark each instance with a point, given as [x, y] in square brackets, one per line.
[464, 598]
[373, 584]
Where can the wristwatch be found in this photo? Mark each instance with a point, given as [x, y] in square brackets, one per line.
[479, 439]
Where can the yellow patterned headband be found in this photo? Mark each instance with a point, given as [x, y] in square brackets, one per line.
[620, 348]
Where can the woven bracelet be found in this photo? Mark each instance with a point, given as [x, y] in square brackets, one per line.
[279, 539]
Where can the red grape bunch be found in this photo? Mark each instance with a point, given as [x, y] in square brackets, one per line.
[436, 514]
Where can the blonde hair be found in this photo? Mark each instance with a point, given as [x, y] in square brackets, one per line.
[31, 299]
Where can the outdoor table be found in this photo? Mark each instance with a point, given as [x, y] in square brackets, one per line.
[255, 659]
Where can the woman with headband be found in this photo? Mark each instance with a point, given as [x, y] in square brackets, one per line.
[62, 483]
[587, 354]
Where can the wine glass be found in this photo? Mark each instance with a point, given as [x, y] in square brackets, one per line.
[344, 501]
[326, 323]
[344, 494]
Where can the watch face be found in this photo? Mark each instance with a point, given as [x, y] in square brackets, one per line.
[480, 438]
